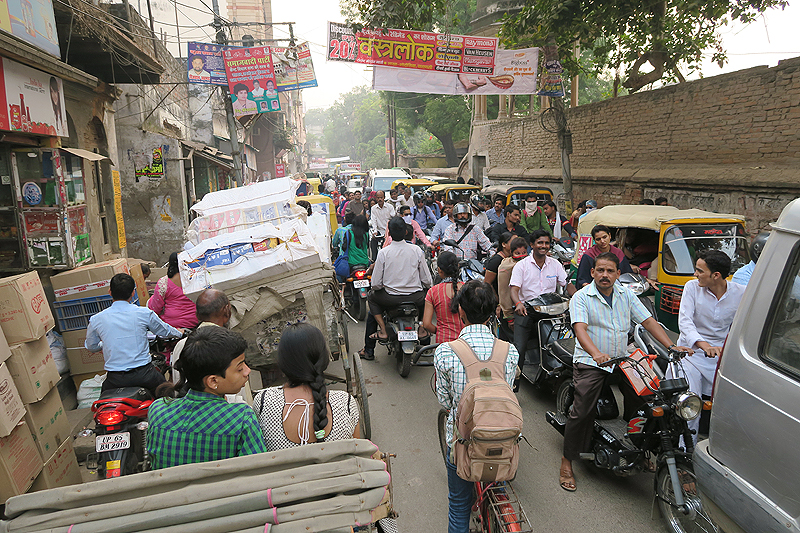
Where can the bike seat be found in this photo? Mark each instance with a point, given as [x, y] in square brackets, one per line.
[403, 309]
[563, 350]
[133, 393]
[358, 267]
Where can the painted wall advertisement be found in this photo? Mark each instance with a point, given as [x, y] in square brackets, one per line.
[31, 101]
[149, 167]
[251, 80]
[412, 49]
[293, 73]
[32, 21]
[205, 64]
[514, 73]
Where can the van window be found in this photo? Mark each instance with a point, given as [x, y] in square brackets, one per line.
[782, 337]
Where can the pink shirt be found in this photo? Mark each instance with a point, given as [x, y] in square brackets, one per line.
[418, 234]
[175, 308]
[448, 324]
[533, 281]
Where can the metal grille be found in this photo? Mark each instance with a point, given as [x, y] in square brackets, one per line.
[507, 509]
[671, 299]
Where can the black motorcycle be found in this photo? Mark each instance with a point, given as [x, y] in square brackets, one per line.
[655, 431]
[401, 326]
[555, 344]
[355, 290]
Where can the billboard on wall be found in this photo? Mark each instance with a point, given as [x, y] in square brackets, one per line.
[32, 21]
[205, 64]
[291, 73]
[31, 101]
[251, 80]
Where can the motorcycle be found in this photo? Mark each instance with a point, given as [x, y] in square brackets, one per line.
[556, 342]
[401, 326]
[563, 250]
[655, 430]
[120, 417]
[469, 269]
[355, 290]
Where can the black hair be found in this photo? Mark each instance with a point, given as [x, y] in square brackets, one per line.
[608, 256]
[208, 351]
[449, 201]
[210, 306]
[518, 242]
[661, 200]
[538, 234]
[448, 263]
[397, 229]
[145, 269]
[552, 204]
[646, 201]
[172, 267]
[505, 237]
[478, 301]
[360, 229]
[403, 208]
[122, 286]
[598, 228]
[717, 261]
[303, 356]
[240, 87]
[530, 194]
[348, 218]
[510, 208]
[307, 205]
[582, 204]
[197, 56]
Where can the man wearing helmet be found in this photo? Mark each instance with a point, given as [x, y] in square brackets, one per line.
[479, 218]
[421, 213]
[742, 276]
[468, 236]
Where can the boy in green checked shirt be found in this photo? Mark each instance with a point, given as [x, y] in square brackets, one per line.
[200, 425]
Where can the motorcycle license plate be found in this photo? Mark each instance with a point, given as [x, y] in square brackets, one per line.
[114, 441]
[361, 283]
[407, 336]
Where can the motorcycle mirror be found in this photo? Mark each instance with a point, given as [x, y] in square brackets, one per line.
[452, 243]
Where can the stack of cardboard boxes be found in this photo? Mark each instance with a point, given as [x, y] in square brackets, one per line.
[35, 442]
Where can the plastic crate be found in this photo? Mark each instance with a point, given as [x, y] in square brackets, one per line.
[74, 314]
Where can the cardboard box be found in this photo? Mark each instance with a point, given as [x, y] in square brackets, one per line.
[24, 312]
[82, 361]
[12, 409]
[33, 368]
[48, 423]
[5, 352]
[80, 378]
[88, 280]
[61, 470]
[135, 267]
[74, 339]
[20, 462]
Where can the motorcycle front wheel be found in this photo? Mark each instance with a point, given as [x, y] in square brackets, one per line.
[697, 520]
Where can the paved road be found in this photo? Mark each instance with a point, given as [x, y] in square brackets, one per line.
[404, 422]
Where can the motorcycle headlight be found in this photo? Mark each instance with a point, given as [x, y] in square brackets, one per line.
[552, 309]
[688, 406]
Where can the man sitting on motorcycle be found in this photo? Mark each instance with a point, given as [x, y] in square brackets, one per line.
[400, 274]
[601, 314]
[121, 333]
[510, 224]
[444, 222]
[416, 232]
[468, 236]
[535, 275]
[421, 213]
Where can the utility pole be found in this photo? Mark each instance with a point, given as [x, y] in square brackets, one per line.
[226, 95]
[564, 135]
[392, 136]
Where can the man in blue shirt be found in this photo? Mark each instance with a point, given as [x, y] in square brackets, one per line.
[444, 222]
[496, 215]
[421, 213]
[742, 276]
[121, 333]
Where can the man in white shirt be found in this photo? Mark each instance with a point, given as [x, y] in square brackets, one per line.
[406, 199]
[708, 305]
[535, 275]
[479, 218]
[258, 91]
[330, 185]
[380, 214]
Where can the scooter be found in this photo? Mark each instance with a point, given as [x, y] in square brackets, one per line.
[401, 326]
[654, 431]
[556, 342]
[120, 417]
[640, 287]
[469, 269]
[563, 250]
[355, 290]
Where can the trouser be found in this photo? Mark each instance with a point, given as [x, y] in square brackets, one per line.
[380, 300]
[375, 244]
[588, 381]
[371, 327]
[145, 376]
[506, 333]
[460, 499]
[526, 336]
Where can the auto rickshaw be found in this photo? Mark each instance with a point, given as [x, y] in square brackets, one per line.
[666, 240]
[458, 192]
[327, 206]
[516, 194]
[416, 184]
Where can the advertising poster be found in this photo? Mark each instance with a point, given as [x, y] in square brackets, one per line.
[552, 81]
[514, 73]
[280, 170]
[122, 239]
[412, 49]
[32, 21]
[205, 64]
[31, 101]
[251, 80]
[291, 73]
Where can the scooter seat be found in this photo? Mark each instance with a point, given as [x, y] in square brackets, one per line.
[563, 350]
[133, 393]
[404, 309]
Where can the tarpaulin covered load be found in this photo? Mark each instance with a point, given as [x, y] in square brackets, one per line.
[328, 486]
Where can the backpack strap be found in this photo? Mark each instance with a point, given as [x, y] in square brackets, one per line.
[472, 365]
[500, 351]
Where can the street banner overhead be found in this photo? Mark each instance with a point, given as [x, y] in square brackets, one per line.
[32, 21]
[251, 80]
[205, 64]
[514, 73]
[410, 49]
[31, 101]
[293, 73]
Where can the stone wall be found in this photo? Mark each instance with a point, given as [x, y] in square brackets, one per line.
[729, 143]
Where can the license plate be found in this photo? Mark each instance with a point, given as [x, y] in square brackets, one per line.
[115, 441]
[407, 336]
[361, 283]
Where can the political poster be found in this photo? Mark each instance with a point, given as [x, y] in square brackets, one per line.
[552, 80]
[32, 21]
[251, 80]
[31, 101]
[514, 73]
[205, 64]
[292, 73]
[411, 49]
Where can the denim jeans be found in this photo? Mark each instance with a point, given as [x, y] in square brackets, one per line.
[461, 497]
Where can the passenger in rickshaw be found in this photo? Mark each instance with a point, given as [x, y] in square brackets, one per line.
[640, 248]
[602, 238]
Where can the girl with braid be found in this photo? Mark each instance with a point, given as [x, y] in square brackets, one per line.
[439, 301]
[303, 411]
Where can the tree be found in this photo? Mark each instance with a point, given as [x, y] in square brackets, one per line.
[670, 35]
[353, 122]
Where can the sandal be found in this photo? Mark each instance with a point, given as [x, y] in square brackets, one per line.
[377, 337]
[567, 481]
[366, 356]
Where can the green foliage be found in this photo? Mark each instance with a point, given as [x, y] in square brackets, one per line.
[444, 16]
[671, 35]
[316, 118]
[423, 142]
[353, 123]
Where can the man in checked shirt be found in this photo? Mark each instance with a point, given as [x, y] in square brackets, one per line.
[468, 236]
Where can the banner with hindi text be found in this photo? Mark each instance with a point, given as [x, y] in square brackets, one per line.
[251, 80]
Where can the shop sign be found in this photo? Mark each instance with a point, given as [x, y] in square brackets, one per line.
[280, 170]
[205, 64]
[31, 101]
[40, 222]
[293, 73]
[251, 80]
[33, 21]
[123, 241]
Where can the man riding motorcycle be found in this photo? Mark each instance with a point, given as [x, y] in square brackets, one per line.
[467, 235]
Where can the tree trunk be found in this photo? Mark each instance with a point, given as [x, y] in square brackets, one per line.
[449, 149]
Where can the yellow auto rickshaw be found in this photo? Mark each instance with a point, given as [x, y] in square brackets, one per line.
[516, 194]
[416, 184]
[327, 207]
[666, 240]
[457, 192]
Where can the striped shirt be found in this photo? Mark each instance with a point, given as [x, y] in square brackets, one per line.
[201, 427]
[608, 325]
[451, 378]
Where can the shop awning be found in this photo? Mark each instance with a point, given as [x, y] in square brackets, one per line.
[210, 153]
[86, 154]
